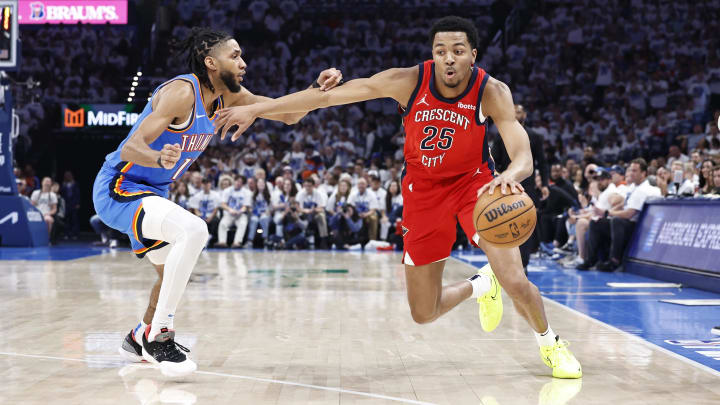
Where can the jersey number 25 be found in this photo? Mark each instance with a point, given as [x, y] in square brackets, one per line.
[445, 141]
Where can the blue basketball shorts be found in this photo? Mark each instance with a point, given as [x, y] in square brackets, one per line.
[118, 202]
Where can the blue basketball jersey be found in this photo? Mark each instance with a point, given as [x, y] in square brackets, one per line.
[260, 205]
[193, 136]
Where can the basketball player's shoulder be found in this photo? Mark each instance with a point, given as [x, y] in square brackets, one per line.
[496, 96]
[395, 78]
[496, 89]
[179, 88]
[178, 94]
[397, 83]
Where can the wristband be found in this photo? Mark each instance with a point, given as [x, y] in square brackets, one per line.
[160, 163]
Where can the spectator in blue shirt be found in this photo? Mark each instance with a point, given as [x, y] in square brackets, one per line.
[260, 213]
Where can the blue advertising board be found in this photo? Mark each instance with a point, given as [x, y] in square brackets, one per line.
[21, 224]
[678, 240]
[7, 177]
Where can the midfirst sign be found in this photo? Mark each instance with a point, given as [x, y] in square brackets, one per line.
[99, 115]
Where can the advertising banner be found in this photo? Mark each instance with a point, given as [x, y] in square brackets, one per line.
[684, 234]
[71, 12]
[8, 186]
[98, 115]
[21, 224]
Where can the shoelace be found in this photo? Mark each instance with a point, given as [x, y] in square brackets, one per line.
[170, 350]
[556, 350]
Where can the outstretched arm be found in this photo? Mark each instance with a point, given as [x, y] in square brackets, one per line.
[497, 103]
[328, 79]
[397, 83]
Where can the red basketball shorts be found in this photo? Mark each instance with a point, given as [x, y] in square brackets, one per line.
[431, 210]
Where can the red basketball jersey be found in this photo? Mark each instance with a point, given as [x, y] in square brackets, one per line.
[445, 137]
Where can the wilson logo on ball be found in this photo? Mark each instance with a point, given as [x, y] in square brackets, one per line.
[503, 209]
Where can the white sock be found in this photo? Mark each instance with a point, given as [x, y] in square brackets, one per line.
[187, 235]
[164, 320]
[138, 332]
[188, 241]
[480, 285]
[547, 338]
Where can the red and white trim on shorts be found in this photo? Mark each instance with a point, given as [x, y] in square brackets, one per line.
[407, 260]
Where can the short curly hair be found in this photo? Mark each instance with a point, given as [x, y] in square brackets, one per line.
[455, 24]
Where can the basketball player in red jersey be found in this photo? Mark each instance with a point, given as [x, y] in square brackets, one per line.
[445, 103]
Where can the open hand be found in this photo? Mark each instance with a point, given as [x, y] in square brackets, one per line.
[506, 184]
[242, 116]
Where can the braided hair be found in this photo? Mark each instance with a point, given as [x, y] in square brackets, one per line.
[198, 45]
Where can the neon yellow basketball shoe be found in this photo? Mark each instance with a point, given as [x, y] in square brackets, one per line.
[561, 360]
[490, 303]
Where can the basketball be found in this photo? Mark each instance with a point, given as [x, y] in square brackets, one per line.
[504, 220]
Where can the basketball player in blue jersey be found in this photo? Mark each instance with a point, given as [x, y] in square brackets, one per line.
[131, 189]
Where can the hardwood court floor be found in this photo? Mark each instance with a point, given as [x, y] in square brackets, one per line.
[304, 327]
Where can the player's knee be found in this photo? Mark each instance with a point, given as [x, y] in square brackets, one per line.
[516, 286]
[197, 229]
[422, 316]
[423, 312]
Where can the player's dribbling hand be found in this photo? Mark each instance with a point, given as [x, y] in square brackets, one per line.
[243, 117]
[506, 184]
[329, 78]
[169, 155]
